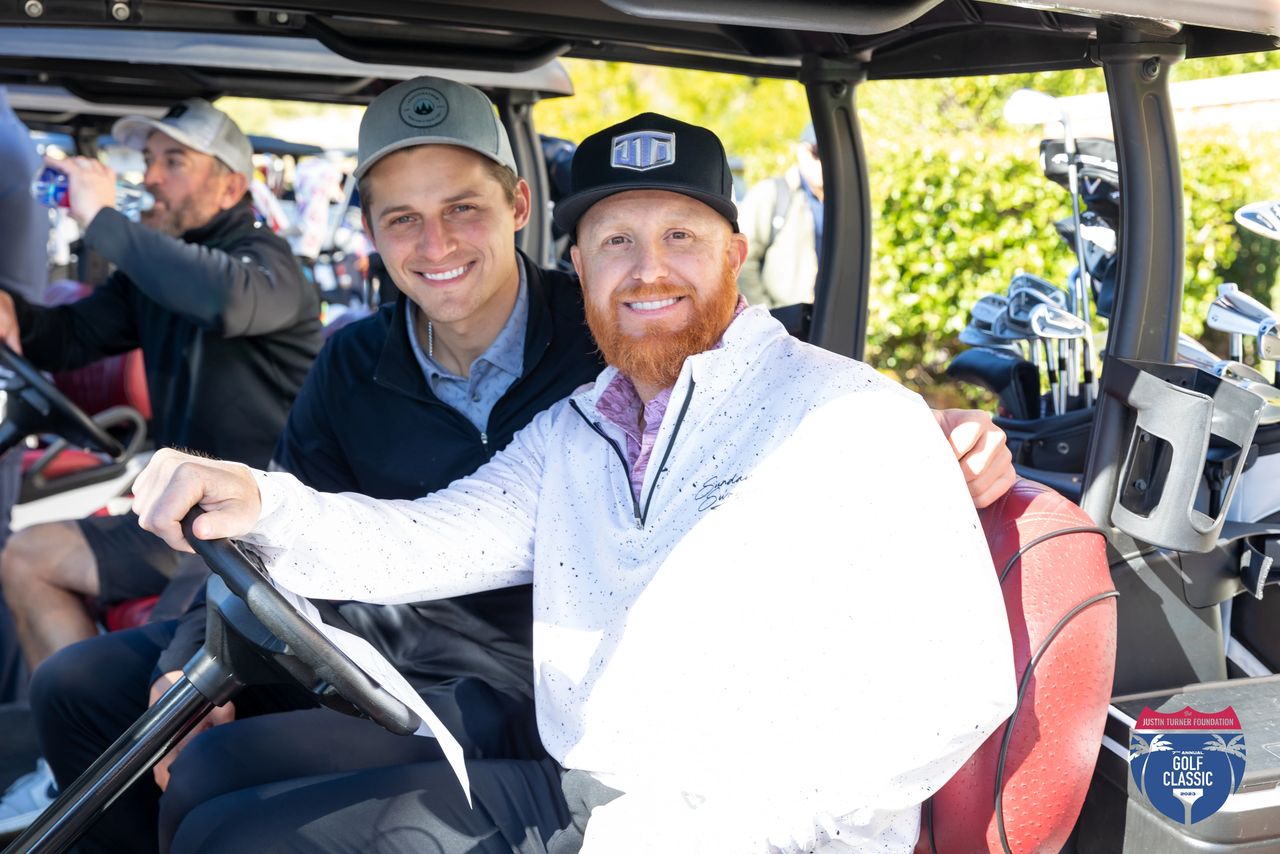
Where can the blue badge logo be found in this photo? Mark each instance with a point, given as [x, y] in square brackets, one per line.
[1187, 763]
[643, 149]
[423, 108]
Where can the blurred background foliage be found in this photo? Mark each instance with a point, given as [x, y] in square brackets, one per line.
[961, 204]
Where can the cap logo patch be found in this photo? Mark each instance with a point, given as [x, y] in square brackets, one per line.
[175, 112]
[643, 149]
[423, 108]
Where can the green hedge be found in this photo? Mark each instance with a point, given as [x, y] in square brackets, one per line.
[958, 220]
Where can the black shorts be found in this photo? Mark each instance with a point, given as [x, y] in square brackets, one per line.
[132, 563]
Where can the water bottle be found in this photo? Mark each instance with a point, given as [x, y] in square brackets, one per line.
[132, 199]
[50, 189]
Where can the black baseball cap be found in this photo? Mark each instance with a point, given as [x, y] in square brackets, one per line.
[649, 152]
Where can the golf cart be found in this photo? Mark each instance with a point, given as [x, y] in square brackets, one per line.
[1164, 555]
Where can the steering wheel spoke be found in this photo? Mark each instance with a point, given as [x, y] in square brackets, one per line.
[33, 404]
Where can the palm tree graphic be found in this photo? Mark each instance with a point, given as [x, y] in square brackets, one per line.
[1233, 748]
[1142, 748]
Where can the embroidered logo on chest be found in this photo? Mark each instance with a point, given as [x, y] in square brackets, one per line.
[714, 490]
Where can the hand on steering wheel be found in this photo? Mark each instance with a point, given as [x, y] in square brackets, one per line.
[244, 576]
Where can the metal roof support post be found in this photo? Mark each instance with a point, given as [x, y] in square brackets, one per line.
[844, 264]
[1148, 304]
[516, 112]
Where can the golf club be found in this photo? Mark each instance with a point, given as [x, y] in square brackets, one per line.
[1261, 218]
[1025, 292]
[1237, 313]
[1005, 328]
[985, 310]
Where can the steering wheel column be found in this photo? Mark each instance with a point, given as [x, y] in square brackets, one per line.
[254, 637]
[225, 665]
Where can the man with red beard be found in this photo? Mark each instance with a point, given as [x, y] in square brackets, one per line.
[715, 531]
[228, 327]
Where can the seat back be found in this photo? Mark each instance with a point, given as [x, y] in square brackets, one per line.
[1024, 788]
[114, 381]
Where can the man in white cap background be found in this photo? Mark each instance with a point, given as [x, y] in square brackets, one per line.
[715, 532]
[228, 327]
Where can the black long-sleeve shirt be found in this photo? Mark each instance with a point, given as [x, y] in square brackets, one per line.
[227, 324]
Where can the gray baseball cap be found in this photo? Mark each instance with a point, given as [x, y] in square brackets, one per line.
[432, 111]
[198, 125]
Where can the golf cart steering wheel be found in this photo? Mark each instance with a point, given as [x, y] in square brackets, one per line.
[244, 576]
[34, 405]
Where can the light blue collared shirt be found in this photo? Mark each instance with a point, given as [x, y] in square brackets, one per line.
[492, 373]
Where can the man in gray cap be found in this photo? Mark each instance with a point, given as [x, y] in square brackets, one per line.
[228, 327]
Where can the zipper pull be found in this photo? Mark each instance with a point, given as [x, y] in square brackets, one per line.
[484, 440]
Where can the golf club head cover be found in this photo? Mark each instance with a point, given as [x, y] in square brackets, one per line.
[1014, 380]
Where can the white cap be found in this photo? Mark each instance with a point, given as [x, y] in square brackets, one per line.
[198, 125]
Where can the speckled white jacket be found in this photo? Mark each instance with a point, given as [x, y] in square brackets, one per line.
[793, 638]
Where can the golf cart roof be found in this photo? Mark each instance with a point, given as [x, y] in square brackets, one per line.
[126, 70]
[905, 38]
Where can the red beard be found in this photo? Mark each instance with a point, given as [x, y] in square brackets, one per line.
[656, 357]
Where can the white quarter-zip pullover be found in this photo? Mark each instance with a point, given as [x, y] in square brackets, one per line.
[791, 638]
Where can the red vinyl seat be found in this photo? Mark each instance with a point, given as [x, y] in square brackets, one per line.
[114, 381]
[69, 461]
[130, 614]
[1062, 616]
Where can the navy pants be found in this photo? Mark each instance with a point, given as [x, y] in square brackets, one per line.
[518, 807]
[86, 695]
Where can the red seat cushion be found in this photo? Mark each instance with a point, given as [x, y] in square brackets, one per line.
[70, 461]
[129, 615]
[114, 381]
[1057, 726]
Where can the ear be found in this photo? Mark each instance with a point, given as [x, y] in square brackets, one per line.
[737, 251]
[575, 255]
[523, 205]
[233, 189]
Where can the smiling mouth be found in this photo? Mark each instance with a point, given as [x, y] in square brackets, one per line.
[653, 305]
[446, 275]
